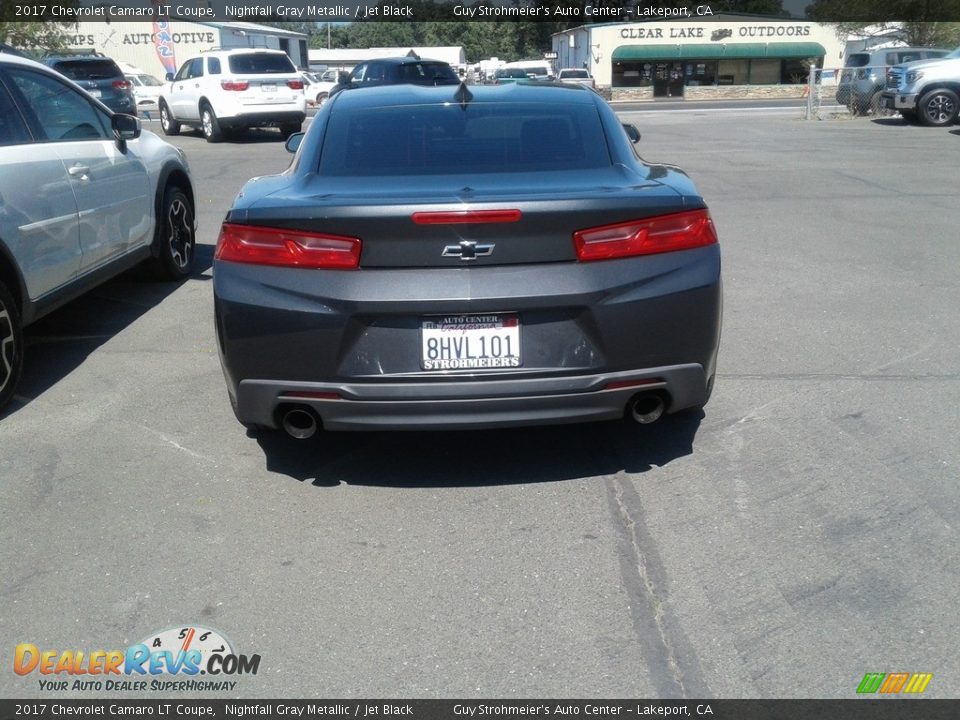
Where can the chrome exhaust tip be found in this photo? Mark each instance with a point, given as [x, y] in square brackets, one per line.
[646, 408]
[299, 423]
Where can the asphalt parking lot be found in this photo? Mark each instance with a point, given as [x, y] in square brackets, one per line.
[796, 536]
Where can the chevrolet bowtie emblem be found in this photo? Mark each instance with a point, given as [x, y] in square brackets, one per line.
[468, 250]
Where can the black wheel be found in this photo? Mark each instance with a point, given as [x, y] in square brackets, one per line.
[209, 124]
[288, 129]
[939, 107]
[169, 126]
[175, 236]
[321, 99]
[11, 346]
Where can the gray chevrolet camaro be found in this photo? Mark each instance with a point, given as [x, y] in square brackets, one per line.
[466, 257]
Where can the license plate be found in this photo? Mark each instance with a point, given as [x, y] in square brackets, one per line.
[271, 88]
[469, 342]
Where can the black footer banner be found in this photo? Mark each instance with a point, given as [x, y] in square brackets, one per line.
[854, 709]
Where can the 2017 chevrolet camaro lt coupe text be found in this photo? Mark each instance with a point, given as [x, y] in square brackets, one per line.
[458, 257]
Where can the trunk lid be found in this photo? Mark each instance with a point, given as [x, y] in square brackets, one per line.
[551, 207]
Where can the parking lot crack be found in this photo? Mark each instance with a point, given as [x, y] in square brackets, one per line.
[671, 661]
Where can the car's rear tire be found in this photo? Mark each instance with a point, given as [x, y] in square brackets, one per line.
[288, 129]
[11, 346]
[209, 124]
[322, 98]
[939, 107]
[169, 126]
[175, 236]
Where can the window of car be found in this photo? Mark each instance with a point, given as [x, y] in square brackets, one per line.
[183, 73]
[358, 72]
[196, 68]
[449, 139]
[930, 54]
[374, 73]
[579, 74]
[856, 60]
[61, 112]
[148, 80]
[426, 72]
[260, 64]
[13, 130]
[213, 66]
[86, 69]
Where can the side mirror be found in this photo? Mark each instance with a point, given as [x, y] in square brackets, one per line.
[293, 142]
[632, 133]
[125, 127]
[169, 77]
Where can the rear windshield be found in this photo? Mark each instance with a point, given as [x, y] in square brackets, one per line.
[88, 69]
[261, 64]
[511, 73]
[583, 74]
[858, 60]
[426, 72]
[445, 139]
[149, 80]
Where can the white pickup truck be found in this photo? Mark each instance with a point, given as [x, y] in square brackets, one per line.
[576, 76]
[925, 90]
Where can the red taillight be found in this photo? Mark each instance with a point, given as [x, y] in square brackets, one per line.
[287, 248]
[121, 84]
[465, 217]
[295, 84]
[234, 85]
[665, 233]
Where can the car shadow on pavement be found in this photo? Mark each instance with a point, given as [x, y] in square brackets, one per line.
[249, 136]
[483, 457]
[59, 342]
[955, 132]
[890, 121]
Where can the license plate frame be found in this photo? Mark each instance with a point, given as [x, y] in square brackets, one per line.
[467, 341]
[268, 87]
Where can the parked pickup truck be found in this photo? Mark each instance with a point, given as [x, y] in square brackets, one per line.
[576, 76]
[925, 90]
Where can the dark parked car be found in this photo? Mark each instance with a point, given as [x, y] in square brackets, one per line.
[409, 70]
[98, 75]
[466, 258]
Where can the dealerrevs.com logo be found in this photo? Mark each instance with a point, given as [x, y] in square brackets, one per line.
[169, 660]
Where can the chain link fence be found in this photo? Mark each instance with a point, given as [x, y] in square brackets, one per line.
[846, 92]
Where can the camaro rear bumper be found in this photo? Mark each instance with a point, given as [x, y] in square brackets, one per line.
[347, 345]
[465, 405]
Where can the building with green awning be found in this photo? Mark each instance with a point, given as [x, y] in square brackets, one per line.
[728, 55]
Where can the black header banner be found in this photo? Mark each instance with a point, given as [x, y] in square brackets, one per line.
[571, 12]
[893, 709]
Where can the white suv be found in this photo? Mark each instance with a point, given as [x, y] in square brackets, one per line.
[223, 90]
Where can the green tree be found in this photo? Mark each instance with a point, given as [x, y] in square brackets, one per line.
[36, 35]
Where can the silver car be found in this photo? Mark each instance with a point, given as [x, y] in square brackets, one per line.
[84, 195]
